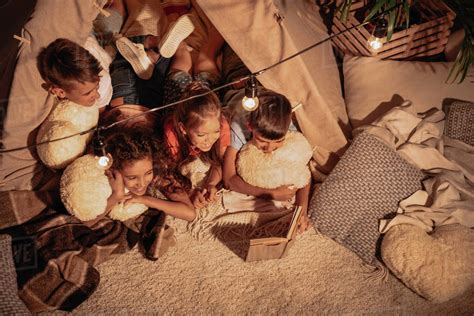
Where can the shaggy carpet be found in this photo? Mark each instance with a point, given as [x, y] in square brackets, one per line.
[209, 276]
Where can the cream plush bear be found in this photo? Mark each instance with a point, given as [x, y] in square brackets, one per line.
[196, 171]
[287, 165]
[84, 191]
[66, 118]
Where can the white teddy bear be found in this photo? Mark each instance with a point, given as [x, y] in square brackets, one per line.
[196, 171]
[287, 165]
[84, 191]
[66, 118]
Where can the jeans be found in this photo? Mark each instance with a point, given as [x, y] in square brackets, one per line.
[134, 90]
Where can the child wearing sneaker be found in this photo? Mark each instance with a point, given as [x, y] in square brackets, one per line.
[148, 58]
[183, 70]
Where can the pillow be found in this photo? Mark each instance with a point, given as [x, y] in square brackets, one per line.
[10, 303]
[66, 118]
[438, 267]
[365, 186]
[373, 86]
[84, 191]
[459, 122]
[287, 165]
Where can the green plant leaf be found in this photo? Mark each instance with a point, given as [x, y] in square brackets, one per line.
[406, 10]
[344, 8]
[378, 5]
[391, 18]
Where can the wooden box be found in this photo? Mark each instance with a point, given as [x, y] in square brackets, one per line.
[274, 247]
[426, 38]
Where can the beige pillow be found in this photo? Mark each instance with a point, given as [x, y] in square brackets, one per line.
[438, 267]
[373, 86]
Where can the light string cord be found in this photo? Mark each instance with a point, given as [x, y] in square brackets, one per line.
[254, 74]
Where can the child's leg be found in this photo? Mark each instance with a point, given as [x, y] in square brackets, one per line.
[107, 27]
[205, 67]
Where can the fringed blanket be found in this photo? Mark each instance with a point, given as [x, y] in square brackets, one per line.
[448, 195]
[56, 255]
[234, 219]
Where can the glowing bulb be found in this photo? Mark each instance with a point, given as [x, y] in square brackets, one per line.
[250, 100]
[104, 162]
[250, 104]
[375, 44]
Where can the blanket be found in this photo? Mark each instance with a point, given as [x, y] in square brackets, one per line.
[234, 219]
[448, 194]
[56, 255]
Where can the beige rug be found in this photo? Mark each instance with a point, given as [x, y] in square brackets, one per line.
[208, 276]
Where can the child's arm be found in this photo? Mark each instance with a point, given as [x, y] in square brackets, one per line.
[211, 185]
[301, 199]
[234, 182]
[178, 205]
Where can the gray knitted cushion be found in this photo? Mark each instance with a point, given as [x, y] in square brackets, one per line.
[10, 303]
[460, 121]
[365, 186]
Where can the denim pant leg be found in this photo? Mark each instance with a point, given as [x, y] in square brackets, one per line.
[134, 90]
[151, 91]
[124, 81]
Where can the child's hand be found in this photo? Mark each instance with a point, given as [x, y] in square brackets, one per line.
[117, 185]
[211, 194]
[303, 223]
[198, 198]
[283, 193]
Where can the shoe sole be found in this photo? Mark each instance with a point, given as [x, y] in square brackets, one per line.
[181, 29]
[128, 53]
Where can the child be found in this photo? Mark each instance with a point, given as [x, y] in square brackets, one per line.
[132, 177]
[71, 74]
[183, 70]
[266, 128]
[197, 128]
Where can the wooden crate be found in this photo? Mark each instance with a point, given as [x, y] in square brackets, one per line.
[426, 38]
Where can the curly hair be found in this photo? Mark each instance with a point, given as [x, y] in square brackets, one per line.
[126, 147]
[63, 61]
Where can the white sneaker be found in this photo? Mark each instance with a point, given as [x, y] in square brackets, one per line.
[177, 32]
[135, 54]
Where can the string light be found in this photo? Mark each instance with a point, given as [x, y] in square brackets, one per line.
[105, 158]
[250, 100]
[378, 37]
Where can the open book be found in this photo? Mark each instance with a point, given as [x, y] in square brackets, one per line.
[274, 247]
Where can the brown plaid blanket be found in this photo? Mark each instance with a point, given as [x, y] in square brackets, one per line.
[56, 255]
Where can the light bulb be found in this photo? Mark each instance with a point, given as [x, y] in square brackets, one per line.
[250, 100]
[104, 162]
[375, 44]
[250, 104]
